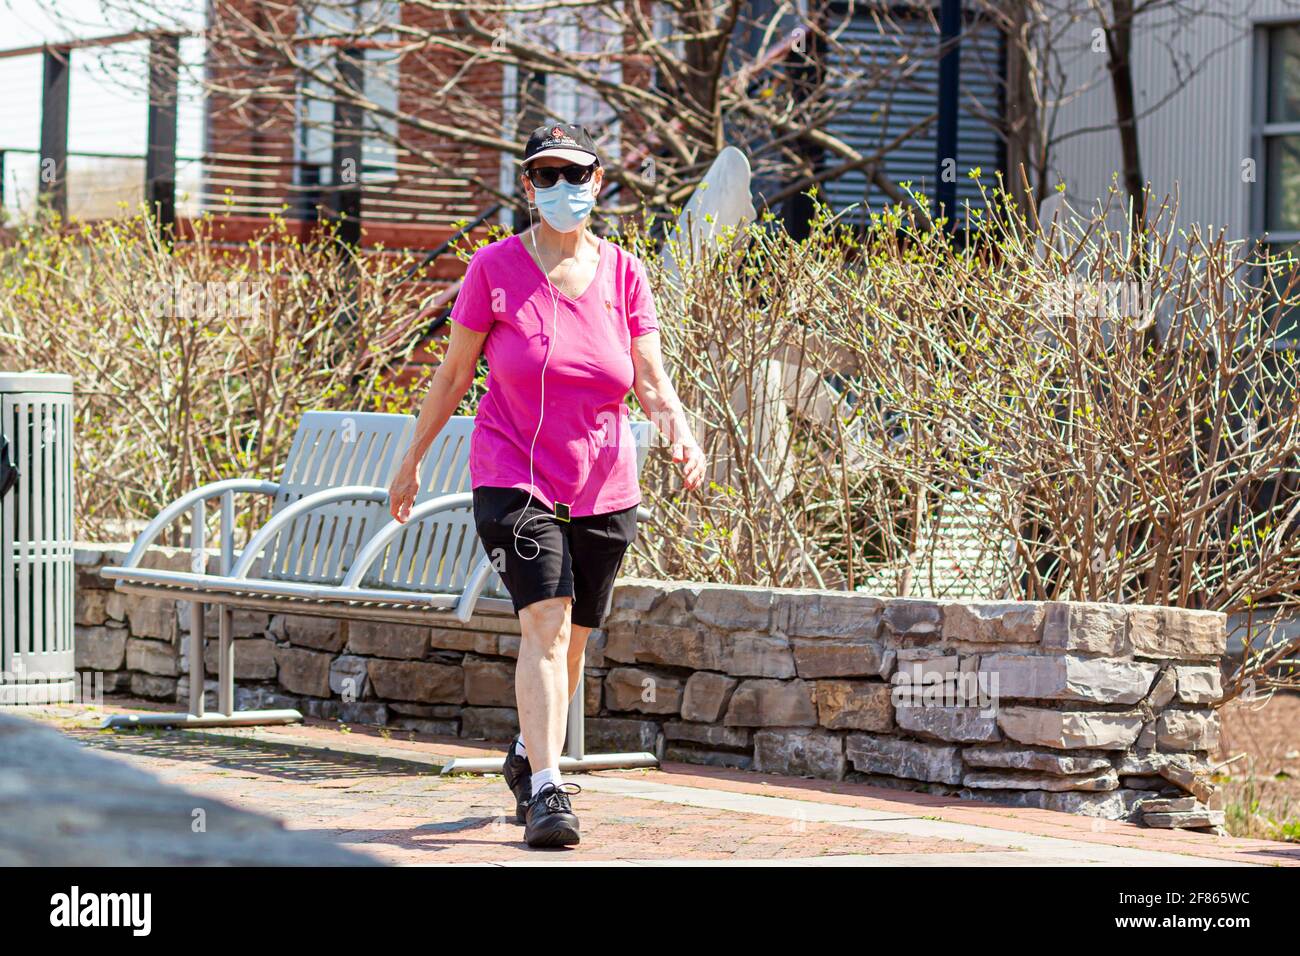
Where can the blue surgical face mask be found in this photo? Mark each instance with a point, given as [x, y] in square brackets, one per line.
[564, 206]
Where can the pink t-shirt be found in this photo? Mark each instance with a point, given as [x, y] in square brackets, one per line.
[584, 456]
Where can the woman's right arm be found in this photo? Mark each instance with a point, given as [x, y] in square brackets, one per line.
[450, 383]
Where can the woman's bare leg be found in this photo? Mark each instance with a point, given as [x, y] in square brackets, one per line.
[577, 654]
[542, 685]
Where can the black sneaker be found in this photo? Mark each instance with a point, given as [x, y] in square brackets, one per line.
[519, 778]
[551, 821]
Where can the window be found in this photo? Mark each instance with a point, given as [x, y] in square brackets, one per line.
[592, 32]
[884, 98]
[586, 30]
[336, 23]
[1276, 212]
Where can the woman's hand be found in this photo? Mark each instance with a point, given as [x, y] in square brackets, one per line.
[655, 393]
[691, 458]
[450, 383]
[402, 492]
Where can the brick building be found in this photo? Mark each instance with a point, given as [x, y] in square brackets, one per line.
[277, 152]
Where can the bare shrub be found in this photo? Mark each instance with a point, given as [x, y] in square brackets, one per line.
[193, 362]
[1081, 415]
[990, 414]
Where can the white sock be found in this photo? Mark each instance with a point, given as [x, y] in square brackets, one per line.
[543, 777]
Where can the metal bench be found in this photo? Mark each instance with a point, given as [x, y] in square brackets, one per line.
[331, 549]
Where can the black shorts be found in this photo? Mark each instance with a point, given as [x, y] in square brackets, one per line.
[578, 558]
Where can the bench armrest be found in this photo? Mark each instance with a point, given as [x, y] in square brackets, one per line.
[302, 506]
[373, 548]
[187, 502]
[474, 586]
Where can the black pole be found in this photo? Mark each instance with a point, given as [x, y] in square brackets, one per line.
[446, 244]
[346, 152]
[530, 100]
[53, 171]
[160, 160]
[945, 192]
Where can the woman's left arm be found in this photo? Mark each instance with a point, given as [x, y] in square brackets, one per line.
[659, 400]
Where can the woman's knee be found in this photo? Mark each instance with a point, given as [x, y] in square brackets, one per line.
[545, 624]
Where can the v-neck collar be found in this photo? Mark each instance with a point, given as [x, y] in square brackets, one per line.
[595, 276]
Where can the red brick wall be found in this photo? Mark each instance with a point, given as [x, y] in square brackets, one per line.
[248, 169]
[251, 140]
[439, 87]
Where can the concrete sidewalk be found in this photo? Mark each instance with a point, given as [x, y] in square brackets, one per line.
[382, 796]
[66, 805]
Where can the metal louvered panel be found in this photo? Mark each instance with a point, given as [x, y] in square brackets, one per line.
[36, 542]
[435, 555]
[446, 466]
[876, 116]
[967, 554]
[333, 449]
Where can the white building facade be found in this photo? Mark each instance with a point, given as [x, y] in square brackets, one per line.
[1218, 100]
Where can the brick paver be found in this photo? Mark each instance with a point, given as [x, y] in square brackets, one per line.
[381, 794]
[412, 817]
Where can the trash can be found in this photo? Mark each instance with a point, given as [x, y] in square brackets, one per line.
[37, 573]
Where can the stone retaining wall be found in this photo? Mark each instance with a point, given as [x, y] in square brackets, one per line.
[1081, 707]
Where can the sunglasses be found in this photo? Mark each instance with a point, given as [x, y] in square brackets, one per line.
[544, 177]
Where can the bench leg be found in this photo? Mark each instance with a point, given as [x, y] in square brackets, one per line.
[227, 716]
[575, 759]
[241, 718]
[197, 626]
[226, 661]
[575, 745]
[588, 764]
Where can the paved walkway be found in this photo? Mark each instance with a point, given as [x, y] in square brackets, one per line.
[383, 797]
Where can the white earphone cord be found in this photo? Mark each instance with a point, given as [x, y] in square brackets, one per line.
[523, 521]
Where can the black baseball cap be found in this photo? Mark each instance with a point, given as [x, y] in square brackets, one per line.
[564, 140]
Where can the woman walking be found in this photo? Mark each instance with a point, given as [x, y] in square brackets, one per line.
[567, 323]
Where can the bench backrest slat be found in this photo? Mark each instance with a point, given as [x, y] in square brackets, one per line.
[438, 553]
[330, 450]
